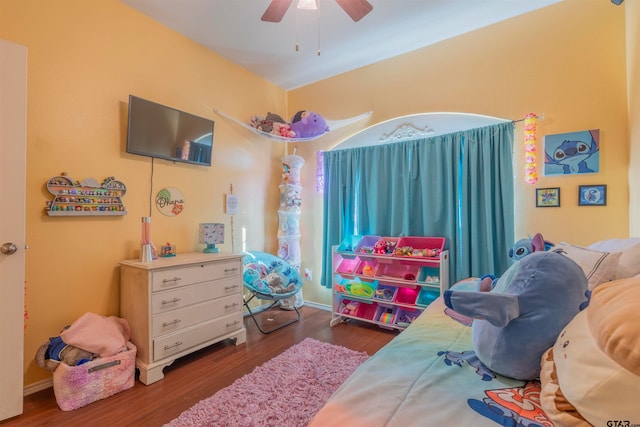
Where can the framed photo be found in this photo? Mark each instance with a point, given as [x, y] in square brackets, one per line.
[572, 153]
[592, 195]
[548, 197]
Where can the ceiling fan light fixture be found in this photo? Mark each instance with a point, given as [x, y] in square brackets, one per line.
[307, 5]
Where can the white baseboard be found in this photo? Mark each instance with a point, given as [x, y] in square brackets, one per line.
[319, 306]
[36, 387]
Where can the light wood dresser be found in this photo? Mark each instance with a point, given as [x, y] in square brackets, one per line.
[180, 304]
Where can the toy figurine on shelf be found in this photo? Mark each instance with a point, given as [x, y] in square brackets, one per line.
[167, 250]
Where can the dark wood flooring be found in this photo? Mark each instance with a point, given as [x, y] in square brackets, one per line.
[199, 375]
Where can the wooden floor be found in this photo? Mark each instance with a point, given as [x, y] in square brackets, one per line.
[198, 376]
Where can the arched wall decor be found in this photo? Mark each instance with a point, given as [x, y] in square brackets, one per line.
[422, 125]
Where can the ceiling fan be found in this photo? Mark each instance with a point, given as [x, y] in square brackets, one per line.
[356, 9]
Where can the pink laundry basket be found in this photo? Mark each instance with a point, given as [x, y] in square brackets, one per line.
[77, 386]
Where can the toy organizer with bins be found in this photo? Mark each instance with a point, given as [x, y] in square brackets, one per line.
[387, 280]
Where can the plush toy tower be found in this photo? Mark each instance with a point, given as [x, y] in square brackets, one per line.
[289, 217]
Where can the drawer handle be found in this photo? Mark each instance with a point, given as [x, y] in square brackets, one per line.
[170, 301]
[175, 322]
[178, 343]
[228, 306]
[229, 325]
[229, 288]
[175, 279]
[231, 270]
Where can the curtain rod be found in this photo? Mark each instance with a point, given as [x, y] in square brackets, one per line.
[538, 116]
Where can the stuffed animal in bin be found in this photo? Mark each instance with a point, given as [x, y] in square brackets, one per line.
[307, 124]
[55, 351]
[518, 319]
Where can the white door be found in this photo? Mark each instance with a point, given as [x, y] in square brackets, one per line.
[13, 105]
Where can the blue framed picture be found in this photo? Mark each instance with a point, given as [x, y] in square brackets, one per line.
[572, 153]
[592, 195]
[548, 197]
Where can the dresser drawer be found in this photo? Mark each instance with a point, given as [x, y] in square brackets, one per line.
[184, 276]
[182, 318]
[162, 302]
[190, 337]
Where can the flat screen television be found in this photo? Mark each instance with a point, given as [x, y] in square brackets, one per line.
[162, 132]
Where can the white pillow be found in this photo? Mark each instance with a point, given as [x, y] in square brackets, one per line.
[598, 266]
[629, 264]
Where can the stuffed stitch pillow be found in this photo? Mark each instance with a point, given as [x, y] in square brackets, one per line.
[599, 267]
[592, 373]
[629, 264]
[520, 318]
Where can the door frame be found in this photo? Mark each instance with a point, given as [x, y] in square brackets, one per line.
[13, 131]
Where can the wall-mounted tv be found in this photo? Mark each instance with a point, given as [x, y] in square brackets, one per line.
[162, 132]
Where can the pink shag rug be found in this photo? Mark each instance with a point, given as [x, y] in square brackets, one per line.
[286, 391]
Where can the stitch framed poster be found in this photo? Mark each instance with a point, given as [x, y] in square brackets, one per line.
[548, 197]
[592, 195]
[572, 153]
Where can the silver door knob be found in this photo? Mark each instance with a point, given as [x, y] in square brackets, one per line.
[8, 248]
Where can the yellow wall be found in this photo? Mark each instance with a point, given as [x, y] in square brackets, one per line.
[566, 62]
[84, 59]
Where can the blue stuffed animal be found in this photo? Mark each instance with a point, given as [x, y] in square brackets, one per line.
[524, 247]
[521, 316]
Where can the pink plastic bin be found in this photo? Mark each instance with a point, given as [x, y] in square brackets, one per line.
[366, 267]
[395, 271]
[367, 311]
[348, 266]
[421, 243]
[407, 295]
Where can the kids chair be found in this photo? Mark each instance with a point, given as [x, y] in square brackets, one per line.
[268, 277]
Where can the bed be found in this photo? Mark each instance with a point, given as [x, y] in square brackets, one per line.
[429, 374]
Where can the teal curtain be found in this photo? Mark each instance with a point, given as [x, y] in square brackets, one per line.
[458, 186]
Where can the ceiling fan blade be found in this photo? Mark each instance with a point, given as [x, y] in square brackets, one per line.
[276, 10]
[356, 9]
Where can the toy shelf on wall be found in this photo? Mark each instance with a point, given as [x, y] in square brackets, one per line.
[73, 198]
[387, 281]
[333, 125]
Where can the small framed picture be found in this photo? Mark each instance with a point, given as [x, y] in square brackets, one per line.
[548, 197]
[592, 195]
